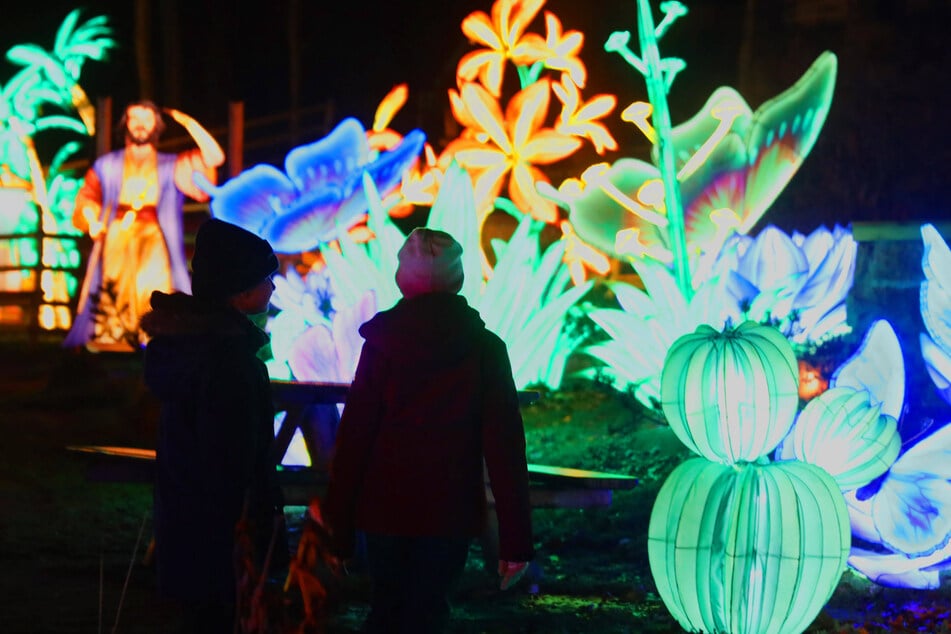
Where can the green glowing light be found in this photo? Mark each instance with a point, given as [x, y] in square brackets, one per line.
[659, 74]
[731, 396]
[747, 548]
[45, 95]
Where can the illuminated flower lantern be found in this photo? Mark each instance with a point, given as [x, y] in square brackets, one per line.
[709, 177]
[901, 521]
[737, 543]
[321, 192]
[731, 396]
[525, 299]
[509, 137]
[936, 309]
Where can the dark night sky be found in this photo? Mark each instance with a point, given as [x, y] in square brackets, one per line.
[883, 153]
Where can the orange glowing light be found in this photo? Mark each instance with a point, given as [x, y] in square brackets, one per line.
[581, 119]
[494, 146]
[380, 137]
[420, 186]
[581, 257]
[811, 381]
[503, 35]
[562, 50]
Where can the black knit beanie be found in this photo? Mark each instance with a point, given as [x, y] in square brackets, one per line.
[229, 260]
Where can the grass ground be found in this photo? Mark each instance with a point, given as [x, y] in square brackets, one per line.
[70, 550]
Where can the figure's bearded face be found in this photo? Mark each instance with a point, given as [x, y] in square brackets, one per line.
[141, 128]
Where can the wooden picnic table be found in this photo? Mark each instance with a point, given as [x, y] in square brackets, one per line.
[312, 408]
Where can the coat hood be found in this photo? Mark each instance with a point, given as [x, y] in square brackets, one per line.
[186, 333]
[428, 330]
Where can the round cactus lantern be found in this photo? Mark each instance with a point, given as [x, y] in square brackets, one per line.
[844, 433]
[748, 548]
[731, 396]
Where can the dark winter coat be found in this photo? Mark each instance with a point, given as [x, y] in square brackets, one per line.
[215, 434]
[433, 394]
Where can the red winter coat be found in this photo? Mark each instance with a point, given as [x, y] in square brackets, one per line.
[433, 395]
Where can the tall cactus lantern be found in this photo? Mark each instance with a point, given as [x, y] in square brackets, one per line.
[737, 543]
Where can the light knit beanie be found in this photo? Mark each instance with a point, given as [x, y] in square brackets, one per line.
[430, 261]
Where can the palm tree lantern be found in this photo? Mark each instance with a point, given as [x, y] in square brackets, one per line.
[747, 548]
[731, 396]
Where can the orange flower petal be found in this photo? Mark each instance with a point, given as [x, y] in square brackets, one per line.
[485, 110]
[486, 185]
[597, 107]
[525, 12]
[548, 146]
[390, 105]
[526, 197]
[460, 111]
[479, 29]
[527, 110]
[481, 158]
[473, 62]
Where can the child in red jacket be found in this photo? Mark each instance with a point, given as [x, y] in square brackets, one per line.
[432, 405]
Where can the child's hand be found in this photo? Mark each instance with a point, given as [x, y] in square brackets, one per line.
[511, 572]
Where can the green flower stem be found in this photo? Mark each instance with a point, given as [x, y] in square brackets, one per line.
[657, 93]
[528, 75]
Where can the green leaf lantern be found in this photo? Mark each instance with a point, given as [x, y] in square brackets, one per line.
[747, 548]
[731, 396]
[844, 433]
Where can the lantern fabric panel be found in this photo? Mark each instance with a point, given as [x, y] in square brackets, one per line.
[751, 548]
[844, 433]
[731, 396]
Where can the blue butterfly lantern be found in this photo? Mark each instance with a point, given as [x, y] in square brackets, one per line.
[320, 192]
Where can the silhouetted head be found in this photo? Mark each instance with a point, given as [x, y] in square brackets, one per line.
[430, 261]
[229, 261]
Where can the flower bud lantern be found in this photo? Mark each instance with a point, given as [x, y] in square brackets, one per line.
[737, 543]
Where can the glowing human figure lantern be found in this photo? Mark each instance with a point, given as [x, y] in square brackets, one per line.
[737, 543]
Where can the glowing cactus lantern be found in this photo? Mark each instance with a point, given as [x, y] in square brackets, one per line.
[731, 396]
[845, 433]
[749, 548]
[737, 543]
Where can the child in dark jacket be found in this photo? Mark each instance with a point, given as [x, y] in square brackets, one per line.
[216, 424]
[433, 404]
